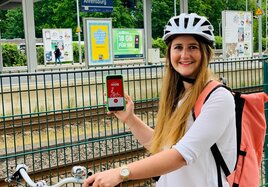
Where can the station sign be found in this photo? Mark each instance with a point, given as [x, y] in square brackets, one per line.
[97, 5]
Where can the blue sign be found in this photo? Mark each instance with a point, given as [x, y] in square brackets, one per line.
[97, 5]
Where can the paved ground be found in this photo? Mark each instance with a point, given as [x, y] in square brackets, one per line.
[49, 67]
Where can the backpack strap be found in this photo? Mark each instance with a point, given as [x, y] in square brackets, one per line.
[202, 98]
[220, 163]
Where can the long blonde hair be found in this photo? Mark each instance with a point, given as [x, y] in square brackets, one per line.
[171, 119]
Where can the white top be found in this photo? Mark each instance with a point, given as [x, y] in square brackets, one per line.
[215, 123]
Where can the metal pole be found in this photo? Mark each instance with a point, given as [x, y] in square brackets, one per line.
[147, 5]
[29, 31]
[184, 6]
[246, 5]
[175, 8]
[266, 50]
[260, 31]
[265, 88]
[1, 56]
[79, 32]
[219, 27]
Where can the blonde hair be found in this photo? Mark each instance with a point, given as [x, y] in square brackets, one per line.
[171, 119]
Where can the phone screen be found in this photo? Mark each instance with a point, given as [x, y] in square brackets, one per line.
[115, 93]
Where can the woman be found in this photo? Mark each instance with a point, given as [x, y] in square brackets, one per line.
[180, 145]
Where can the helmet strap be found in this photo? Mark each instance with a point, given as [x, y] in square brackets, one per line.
[188, 80]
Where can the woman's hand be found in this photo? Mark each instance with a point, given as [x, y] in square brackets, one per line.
[109, 178]
[125, 115]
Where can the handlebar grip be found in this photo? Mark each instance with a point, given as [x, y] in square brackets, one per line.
[14, 177]
[90, 173]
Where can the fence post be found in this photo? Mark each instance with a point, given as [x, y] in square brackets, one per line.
[265, 88]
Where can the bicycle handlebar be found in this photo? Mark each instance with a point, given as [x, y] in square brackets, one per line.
[78, 172]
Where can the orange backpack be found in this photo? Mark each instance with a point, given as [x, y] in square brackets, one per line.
[251, 129]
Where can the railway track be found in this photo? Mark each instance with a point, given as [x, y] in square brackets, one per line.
[58, 119]
[56, 167]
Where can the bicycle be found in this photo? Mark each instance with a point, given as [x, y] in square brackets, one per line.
[78, 172]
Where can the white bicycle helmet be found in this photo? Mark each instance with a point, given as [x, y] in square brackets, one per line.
[189, 24]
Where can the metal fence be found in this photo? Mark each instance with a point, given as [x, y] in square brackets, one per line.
[51, 121]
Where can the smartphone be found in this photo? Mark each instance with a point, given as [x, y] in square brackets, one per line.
[115, 93]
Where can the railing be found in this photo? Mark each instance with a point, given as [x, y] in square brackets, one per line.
[51, 121]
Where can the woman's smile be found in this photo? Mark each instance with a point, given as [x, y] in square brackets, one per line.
[185, 63]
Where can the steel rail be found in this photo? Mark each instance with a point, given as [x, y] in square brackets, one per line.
[57, 119]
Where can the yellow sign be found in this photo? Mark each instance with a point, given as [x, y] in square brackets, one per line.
[78, 29]
[100, 42]
[258, 11]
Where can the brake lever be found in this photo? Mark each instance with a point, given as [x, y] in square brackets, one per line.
[14, 179]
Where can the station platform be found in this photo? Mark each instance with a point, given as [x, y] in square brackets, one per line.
[70, 66]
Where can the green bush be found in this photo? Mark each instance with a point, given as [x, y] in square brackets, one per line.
[40, 55]
[263, 44]
[256, 44]
[14, 57]
[159, 43]
[76, 52]
[218, 42]
[11, 56]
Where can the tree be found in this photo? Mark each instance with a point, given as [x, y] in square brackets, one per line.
[55, 14]
[63, 14]
[13, 24]
[162, 11]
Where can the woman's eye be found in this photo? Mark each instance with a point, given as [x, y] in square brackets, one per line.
[178, 47]
[193, 47]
